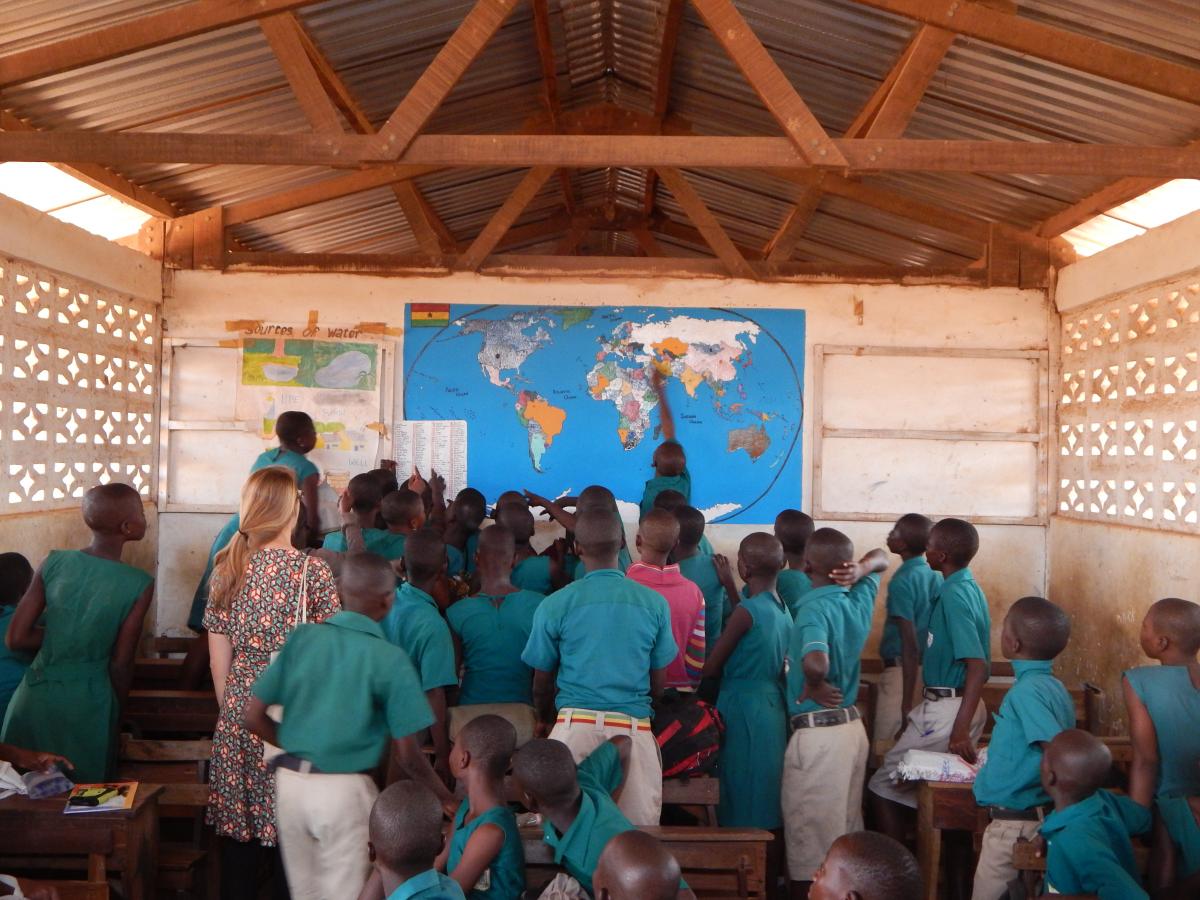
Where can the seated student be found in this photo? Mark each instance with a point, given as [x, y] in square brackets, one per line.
[826, 758]
[385, 477]
[94, 606]
[531, 571]
[604, 686]
[405, 839]
[1088, 851]
[636, 866]
[345, 690]
[1175, 857]
[1163, 703]
[672, 502]
[485, 855]
[958, 662]
[867, 865]
[709, 573]
[657, 538]
[490, 631]
[669, 461]
[16, 574]
[416, 626]
[910, 595]
[793, 528]
[465, 517]
[365, 500]
[1035, 709]
[579, 815]
[749, 660]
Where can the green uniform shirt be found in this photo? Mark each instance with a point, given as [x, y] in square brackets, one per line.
[604, 634]
[960, 628]
[468, 553]
[429, 885]
[1088, 849]
[792, 585]
[909, 596]
[1181, 825]
[1174, 708]
[345, 690]
[301, 466]
[599, 821]
[415, 625]
[699, 569]
[1035, 709]
[387, 544]
[494, 632]
[13, 663]
[533, 574]
[624, 561]
[455, 564]
[836, 621]
[659, 483]
[506, 875]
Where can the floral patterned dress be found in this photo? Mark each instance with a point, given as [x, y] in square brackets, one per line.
[241, 798]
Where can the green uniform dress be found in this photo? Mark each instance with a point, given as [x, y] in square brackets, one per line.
[752, 703]
[493, 632]
[1174, 708]
[1181, 825]
[699, 570]
[793, 585]
[505, 877]
[66, 703]
[13, 663]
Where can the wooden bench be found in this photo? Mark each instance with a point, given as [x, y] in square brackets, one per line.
[175, 713]
[152, 673]
[166, 646]
[86, 850]
[722, 863]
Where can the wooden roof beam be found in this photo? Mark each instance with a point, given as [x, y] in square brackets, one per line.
[668, 40]
[504, 217]
[714, 235]
[772, 86]
[436, 82]
[783, 243]
[550, 97]
[887, 113]
[1066, 48]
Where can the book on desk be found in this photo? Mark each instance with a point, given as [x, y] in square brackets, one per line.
[113, 796]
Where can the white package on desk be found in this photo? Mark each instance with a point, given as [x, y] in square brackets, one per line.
[926, 765]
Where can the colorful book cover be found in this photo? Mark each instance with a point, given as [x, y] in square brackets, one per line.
[111, 797]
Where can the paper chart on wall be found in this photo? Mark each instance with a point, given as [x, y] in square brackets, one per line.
[432, 446]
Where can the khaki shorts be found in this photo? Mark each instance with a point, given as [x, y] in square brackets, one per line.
[887, 702]
[996, 869]
[641, 795]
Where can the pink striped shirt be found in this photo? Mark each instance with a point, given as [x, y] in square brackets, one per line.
[687, 619]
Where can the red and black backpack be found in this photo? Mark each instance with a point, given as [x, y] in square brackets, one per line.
[689, 733]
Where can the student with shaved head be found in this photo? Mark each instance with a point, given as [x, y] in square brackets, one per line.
[605, 642]
[657, 538]
[636, 866]
[1088, 849]
[345, 692]
[405, 831]
[1163, 702]
[867, 865]
[793, 528]
[82, 616]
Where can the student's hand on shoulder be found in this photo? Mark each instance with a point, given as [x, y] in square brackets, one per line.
[963, 746]
[847, 574]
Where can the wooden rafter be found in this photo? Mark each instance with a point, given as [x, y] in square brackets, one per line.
[667, 227]
[102, 178]
[285, 34]
[1094, 204]
[504, 217]
[692, 204]
[550, 97]
[887, 113]
[672, 20]
[1058, 45]
[646, 241]
[783, 243]
[436, 82]
[141, 33]
[772, 86]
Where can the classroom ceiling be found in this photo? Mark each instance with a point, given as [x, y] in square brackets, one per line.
[608, 71]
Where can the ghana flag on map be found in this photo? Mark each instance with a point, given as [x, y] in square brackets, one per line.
[428, 315]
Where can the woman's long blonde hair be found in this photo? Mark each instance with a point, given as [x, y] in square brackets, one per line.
[269, 506]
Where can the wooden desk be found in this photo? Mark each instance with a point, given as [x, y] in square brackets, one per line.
[34, 831]
[942, 805]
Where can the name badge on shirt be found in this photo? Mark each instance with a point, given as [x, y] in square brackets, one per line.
[485, 881]
[929, 639]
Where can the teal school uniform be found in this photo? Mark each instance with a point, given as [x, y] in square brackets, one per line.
[836, 621]
[604, 634]
[659, 483]
[752, 703]
[1036, 708]
[493, 632]
[792, 586]
[468, 553]
[1088, 850]
[960, 628]
[429, 885]
[200, 597]
[1177, 815]
[599, 820]
[533, 574]
[302, 467]
[415, 626]
[624, 561]
[343, 672]
[699, 569]
[12, 663]
[387, 544]
[1174, 707]
[909, 596]
[455, 565]
[505, 877]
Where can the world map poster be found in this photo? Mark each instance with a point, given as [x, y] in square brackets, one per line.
[557, 398]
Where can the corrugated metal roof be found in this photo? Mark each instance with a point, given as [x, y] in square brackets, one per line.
[835, 52]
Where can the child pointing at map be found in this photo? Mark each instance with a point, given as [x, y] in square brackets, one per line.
[670, 462]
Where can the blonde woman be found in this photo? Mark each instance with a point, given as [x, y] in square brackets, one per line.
[259, 581]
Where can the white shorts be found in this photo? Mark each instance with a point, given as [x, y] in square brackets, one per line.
[641, 796]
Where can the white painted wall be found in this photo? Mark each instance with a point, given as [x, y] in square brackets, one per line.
[1013, 559]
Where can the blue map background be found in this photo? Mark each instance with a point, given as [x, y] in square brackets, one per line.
[518, 373]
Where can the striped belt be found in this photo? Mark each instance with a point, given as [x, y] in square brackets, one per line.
[572, 716]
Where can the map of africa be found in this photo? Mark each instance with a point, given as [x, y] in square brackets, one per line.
[557, 398]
